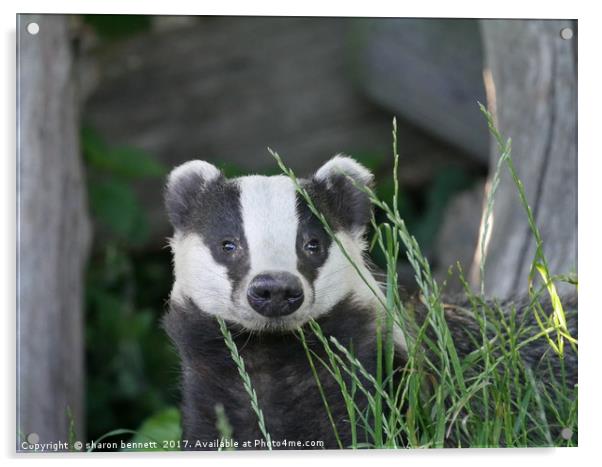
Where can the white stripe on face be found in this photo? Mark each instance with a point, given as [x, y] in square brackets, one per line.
[199, 276]
[269, 215]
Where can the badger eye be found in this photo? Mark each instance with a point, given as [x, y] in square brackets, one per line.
[313, 246]
[228, 246]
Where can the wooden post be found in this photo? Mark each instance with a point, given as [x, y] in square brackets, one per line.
[531, 82]
[53, 235]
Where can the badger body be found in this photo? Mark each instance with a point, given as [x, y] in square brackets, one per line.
[251, 252]
[279, 369]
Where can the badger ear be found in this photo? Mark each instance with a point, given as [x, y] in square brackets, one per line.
[185, 184]
[339, 185]
[345, 166]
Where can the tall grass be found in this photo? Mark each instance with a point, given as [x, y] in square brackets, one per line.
[488, 397]
[246, 380]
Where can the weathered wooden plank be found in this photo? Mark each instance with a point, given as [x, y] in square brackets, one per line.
[223, 89]
[53, 235]
[428, 71]
[533, 89]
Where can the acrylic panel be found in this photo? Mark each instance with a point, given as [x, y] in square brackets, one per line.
[295, 233]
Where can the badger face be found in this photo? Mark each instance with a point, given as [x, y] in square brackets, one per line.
[250, 250]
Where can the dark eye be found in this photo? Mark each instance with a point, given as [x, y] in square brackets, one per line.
[313, 246]
[228, 246]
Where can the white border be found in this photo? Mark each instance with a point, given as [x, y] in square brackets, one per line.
[590, 151]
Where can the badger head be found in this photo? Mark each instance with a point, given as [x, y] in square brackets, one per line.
[249, 249]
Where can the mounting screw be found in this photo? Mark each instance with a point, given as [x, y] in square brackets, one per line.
[33, 438]
[566, 433]
[566, 33]
[33, 28]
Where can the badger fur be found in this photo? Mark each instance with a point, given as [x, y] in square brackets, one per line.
[250, 251]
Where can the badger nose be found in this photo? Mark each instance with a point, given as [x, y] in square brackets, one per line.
[275, 294]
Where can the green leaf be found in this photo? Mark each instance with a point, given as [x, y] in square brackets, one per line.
[162, 427]
[118, 26]
[114, 204]
[126, 162]
[132, 162]
[92, 144]
[122, 161]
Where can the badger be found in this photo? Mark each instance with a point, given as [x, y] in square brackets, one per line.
[251, 252]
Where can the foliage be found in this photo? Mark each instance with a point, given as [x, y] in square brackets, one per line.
[501, 404]
[117, 26]
[539, 263]
[162, 428]
[131, 368]
[422, 210]
[113, 202]
[240, 365]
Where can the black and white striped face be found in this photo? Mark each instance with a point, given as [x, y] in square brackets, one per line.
[249, 249]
